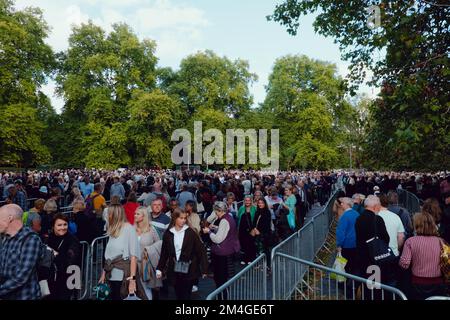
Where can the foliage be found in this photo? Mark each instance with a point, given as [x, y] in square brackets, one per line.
[408, 56]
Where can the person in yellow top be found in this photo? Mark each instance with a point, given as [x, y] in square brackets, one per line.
[95, 203]
[98, 201]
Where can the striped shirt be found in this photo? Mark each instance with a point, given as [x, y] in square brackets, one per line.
[161, 223]
[422, 254]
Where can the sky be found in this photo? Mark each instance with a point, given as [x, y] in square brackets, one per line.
[232, 28]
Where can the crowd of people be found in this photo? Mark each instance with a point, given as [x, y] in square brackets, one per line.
[375, 230]
[170, 228]
[165, 227]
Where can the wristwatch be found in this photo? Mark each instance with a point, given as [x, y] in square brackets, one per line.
[132, 278]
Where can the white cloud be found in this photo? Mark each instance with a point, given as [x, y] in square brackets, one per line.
[166, 15]
[176, 28]
[113, 3]
[74, 16]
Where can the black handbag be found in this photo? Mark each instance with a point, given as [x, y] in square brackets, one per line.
[181, 266]
[379, 251]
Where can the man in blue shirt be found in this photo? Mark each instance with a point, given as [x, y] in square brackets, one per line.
[86, 187]
[346, 235]
[117, 189]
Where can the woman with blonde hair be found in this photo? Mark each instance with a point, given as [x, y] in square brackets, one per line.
[115, 200]
[76, 195]
[121, 255]
[85, 230]
[150, 248]
[422, 253]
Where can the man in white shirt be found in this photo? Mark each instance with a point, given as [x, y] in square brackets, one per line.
[394, 226]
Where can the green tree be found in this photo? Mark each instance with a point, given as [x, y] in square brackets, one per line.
[25, 58]
[106, 146]
[153, 117]
[97, 77]
[20, 136]
[354, 135]
[408, 55]
[25, 63]
[306, 98]
[206, 80]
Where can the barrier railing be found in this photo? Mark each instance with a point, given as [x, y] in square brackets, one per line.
[248, 284]
[409, 201]
[438, 298]
[96, 261]
[85, 266]
[304, 244]
[323, 283]
[66, 209]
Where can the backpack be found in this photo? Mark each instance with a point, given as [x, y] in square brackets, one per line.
[90, 205]
[46, 256]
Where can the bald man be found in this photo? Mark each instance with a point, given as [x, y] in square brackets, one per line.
[19, 254]
[367, 226]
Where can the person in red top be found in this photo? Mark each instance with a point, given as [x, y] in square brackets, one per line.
[130, 207]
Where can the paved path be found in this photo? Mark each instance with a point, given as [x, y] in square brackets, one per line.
[206, 286]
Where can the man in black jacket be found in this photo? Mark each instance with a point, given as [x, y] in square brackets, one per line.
[365, 227]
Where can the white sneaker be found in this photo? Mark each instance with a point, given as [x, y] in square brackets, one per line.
[194, 288]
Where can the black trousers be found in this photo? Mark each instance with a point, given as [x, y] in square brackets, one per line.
[183, 286]
[422, 292]
[351, 267]
[301, 214]
[223, 267]
[248, 246]
[352, 261]
[115, 290]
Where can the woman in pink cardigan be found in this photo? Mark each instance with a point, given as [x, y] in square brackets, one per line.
[422, 253]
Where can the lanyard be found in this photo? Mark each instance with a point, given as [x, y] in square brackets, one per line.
[60, 244]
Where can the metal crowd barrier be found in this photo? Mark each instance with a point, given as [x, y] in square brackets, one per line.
[322, 283]
[438, 298]
[409, 201]
[304, 244]
[85, 265]
[66, 209]
[248, 284]
[96, 261]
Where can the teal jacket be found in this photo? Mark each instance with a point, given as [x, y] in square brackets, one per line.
[242, 211]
